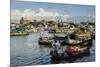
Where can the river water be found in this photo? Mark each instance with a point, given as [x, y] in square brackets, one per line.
[24, 50]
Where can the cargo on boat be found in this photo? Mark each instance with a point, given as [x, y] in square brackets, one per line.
[69, 54]
[74, 40]
[75, 43]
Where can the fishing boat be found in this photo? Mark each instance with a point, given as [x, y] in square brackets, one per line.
[42, 42]
[78, 39]
[19, 34]
[45, 38]
[45, 41]
[77, 42]
[70, 54]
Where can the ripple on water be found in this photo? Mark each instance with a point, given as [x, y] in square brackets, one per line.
[25, 51]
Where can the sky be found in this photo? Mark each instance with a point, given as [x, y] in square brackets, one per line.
[49, 11]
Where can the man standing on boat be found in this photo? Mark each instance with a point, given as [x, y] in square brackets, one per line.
[56, 45]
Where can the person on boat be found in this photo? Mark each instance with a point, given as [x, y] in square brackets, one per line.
[56, 45]
[44, 35]
[53, 44]
[41, 36]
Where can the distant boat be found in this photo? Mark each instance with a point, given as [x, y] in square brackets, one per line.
[19, 34]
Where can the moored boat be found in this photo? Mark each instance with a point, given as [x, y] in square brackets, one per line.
[19, 34]
[76, 42]
[45, 41]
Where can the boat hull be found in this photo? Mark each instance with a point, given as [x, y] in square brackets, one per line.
[19, 34]
[70, 58]
[87, 43]
[45, 43]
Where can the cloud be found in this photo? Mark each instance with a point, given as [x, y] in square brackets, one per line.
[40, 14]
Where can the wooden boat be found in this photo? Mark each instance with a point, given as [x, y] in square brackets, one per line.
[72, 42]
[71, 55]
[19, 34]
[45, 42]
[29, 31]
[81, 43]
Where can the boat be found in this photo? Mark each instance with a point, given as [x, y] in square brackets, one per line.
[41, 42]
[45, 41]
[73, 42]
[77, 42]
[19, 34]
[76, 39]
[70, 54]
